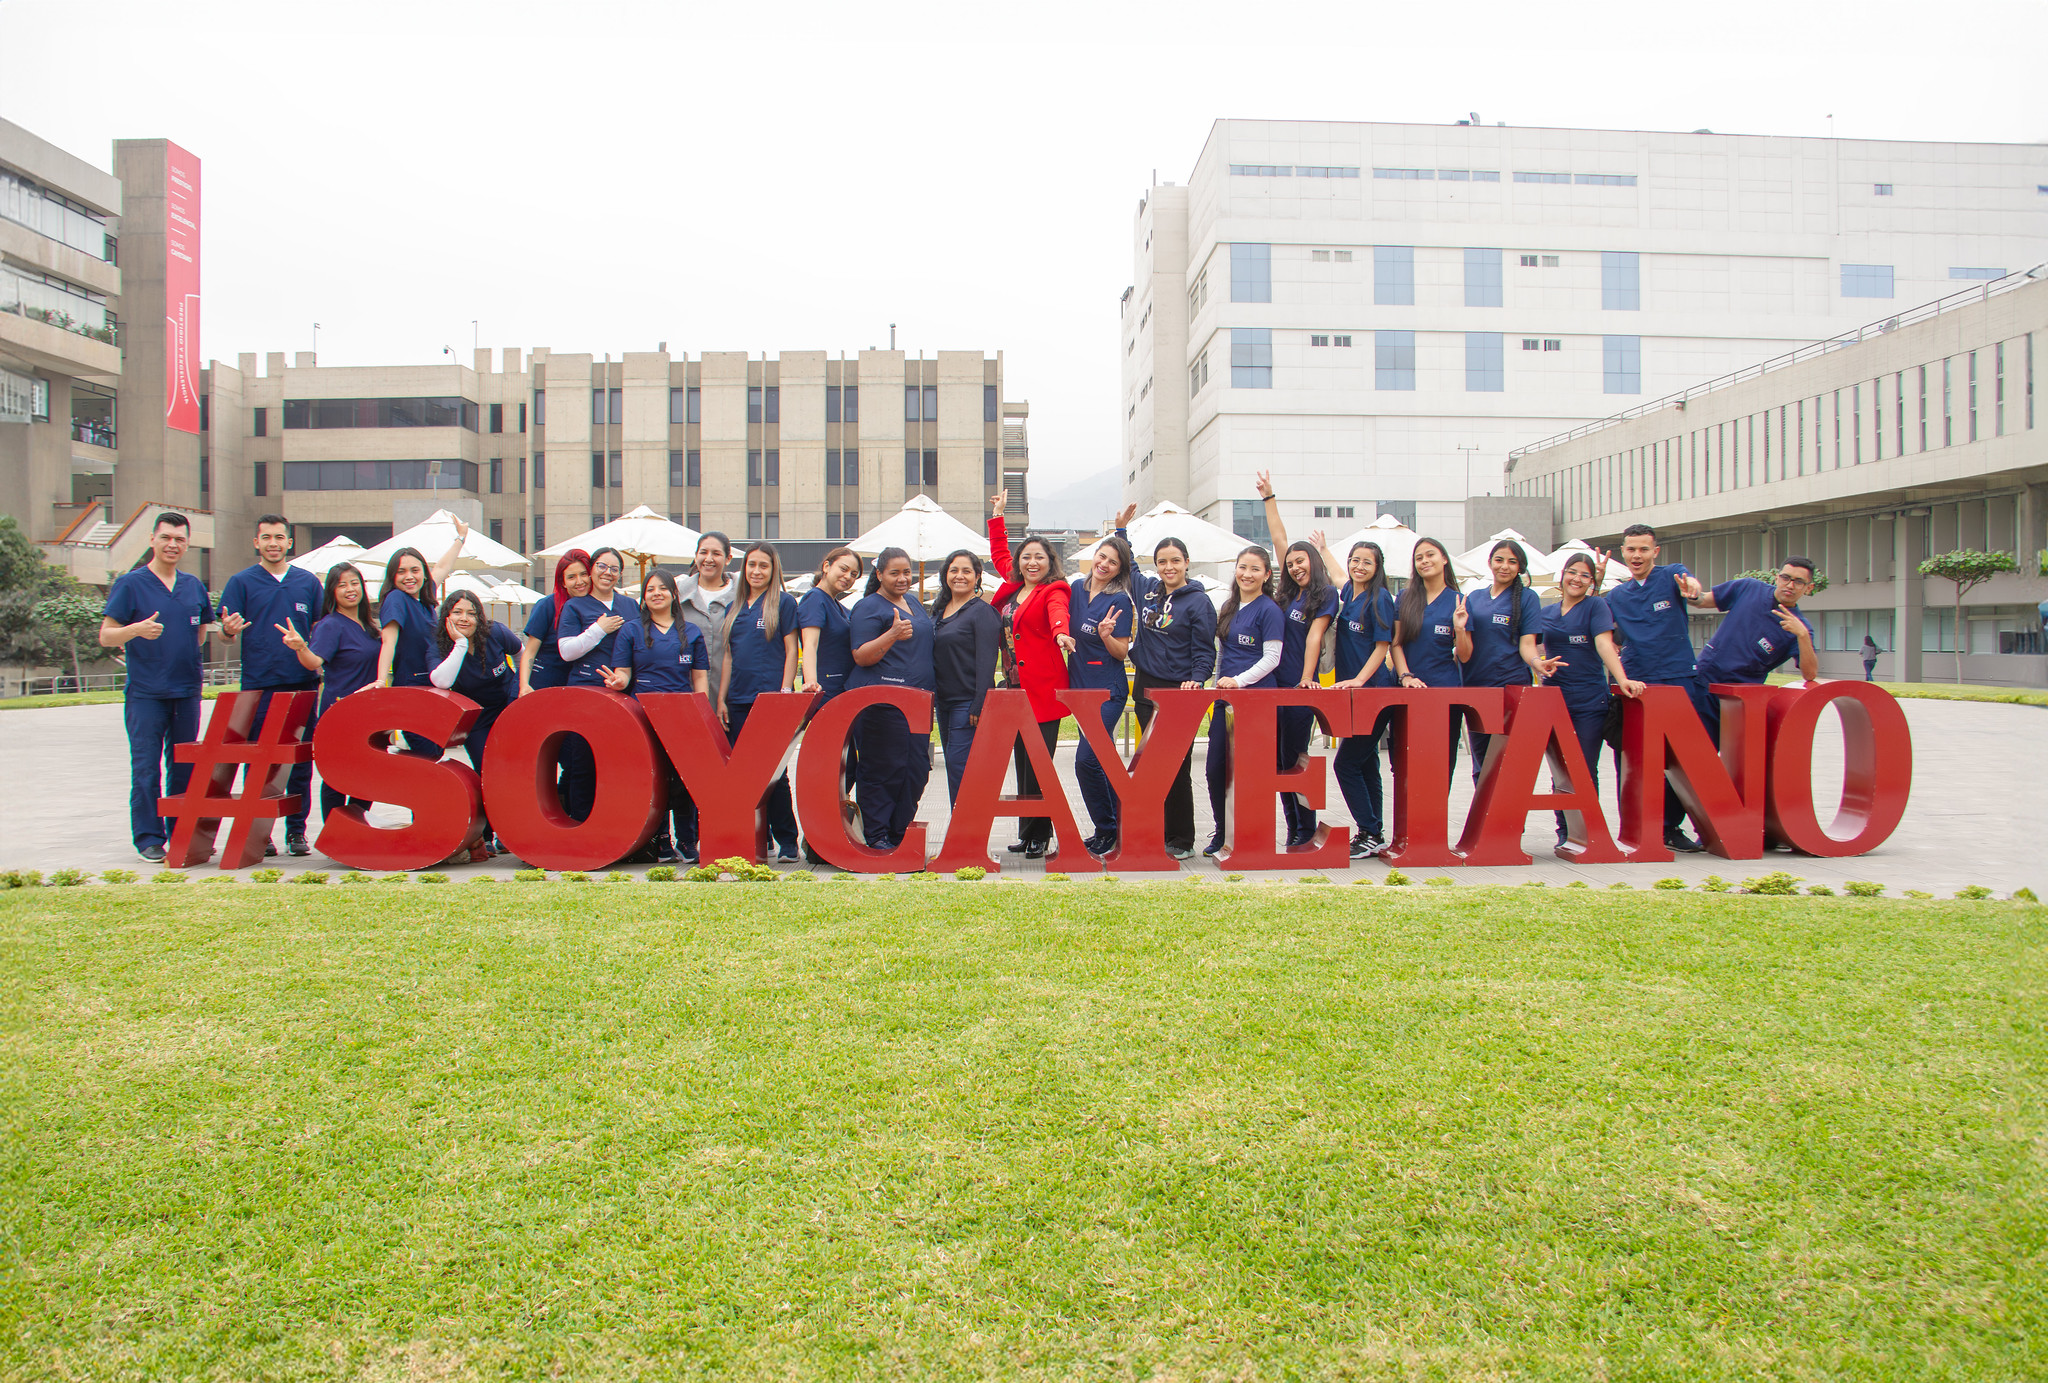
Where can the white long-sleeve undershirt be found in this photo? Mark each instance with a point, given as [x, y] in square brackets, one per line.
[443, 676]
[1269, 659]
[576, 645]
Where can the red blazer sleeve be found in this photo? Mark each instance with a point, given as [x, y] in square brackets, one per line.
[1059, 603]
[999, 558]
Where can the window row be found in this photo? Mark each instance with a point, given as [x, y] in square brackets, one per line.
[1295, 170]
[1438, 174]
[427, 412]
[1251, 360]
[52, 214]
[379, 475]
[43, 298]
[764, 404]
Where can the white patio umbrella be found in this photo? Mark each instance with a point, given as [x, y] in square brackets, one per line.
[1612, 575]
[1475, 561]
[509, 594]
[639, 533]
[1206, 542]
[433, 536]
[923, 530]
[322, 558]
[990, 582]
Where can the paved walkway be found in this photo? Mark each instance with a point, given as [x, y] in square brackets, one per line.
[1979, 794]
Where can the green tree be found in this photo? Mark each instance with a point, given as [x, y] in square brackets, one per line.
[72, 614]
[25, 579]
[1967, 569]
[1820, 578]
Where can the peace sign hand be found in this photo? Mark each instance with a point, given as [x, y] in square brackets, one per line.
[1108, 624]
[1265, 483]
[293, 639]
[1459, 619]
[1548, 666]
[1790, 622]
[615, 679]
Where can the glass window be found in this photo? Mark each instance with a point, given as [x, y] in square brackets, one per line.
[678, 406]
[931, 403]
[1605, 179]
[1251, 358]
[1881, 189]
[989, 412]
[991, 469]
[912, 403]
[1621, 359]
[607, 406]
[1454, 175]
[1261, 170]
[1485, 370]
[831, 403]
[693, 468]
[540, 408]
[1323, 171]
[1343, 340]
[260, 423]
[497, 417]
[1482, 278]
[522, 475]
[772, 413]
[497, 530]
[1866, 280]
[754, 405]
[931, 468]
[1621, 283]
[1393, 275]
[1404, 174]
[850, 403]
[497, 476]
[912, 470]
[367, 413]
[1393, 359]
[540, 473]
[1251, 273]
[1543, 177]
[260, 474]
[696, 406]
[677, 477]
[1198, 374]
[522, 429]
[1248, 521]
[1955, 273]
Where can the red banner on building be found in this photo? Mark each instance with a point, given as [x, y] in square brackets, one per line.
[181, 289]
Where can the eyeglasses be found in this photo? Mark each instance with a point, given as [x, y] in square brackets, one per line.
[608, 567]
[1785, 580]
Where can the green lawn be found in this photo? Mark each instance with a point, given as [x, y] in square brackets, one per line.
[1948, 691]
[936, 1130]
[91, 698]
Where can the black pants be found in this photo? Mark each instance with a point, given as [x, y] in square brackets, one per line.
[781, 809]
[300, 784]
[894, 767]
[1034, 828]
[1180, 797]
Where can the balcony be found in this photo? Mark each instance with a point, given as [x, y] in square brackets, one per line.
[45, 345]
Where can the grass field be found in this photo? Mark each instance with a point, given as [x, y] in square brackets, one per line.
[91, 698]
[934, 1130]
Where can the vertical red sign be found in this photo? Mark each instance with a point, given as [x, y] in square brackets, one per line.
[181, 289]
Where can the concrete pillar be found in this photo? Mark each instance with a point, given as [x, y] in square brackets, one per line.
[1909, 594]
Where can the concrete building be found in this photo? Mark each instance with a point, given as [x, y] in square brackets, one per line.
[804, 449]
[1921, 433]
[1378, 313]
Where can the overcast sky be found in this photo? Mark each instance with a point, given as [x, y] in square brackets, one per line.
[594, 176]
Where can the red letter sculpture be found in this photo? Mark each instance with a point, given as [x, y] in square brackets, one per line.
[446, 799]
[1256, 781]
[1877, 767]
[1141, 788]
[1722, 788]
[209, 795]
[1424, 738]
[1539, 732]
[727, 781]
[816, 781]
[519, 776]
[1006, 721]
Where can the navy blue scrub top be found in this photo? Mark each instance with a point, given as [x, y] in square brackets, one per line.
[1433, 656]
[906, 664]
[348, 653]
[166, 667]
[1749, 643]
[1650, 615]
[578, 615]
[267, 601]
[757, 660]
[821, 612]
[1091, 664]
[662, 659]
[1294, 636]
[1496, 639]
[493, 681]
[548, 668]
[411, 658]
[1250, 628]
[1364, 620]
[1569, 635]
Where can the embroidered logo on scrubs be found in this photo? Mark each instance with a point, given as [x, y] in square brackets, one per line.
[300, 607]
[1578, 638]
[1243, 639]
[1500, 619]
[1443, 629]
[1087, 628]
[1765, 644]
[1661, 605]
[1355, 626]
[1297, 615]
[195, 621]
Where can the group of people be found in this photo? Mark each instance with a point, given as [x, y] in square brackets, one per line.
[735, 636]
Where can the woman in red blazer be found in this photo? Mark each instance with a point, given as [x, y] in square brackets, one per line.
[1033, 603]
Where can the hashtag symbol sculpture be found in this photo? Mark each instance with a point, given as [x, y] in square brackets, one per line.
[209, 797]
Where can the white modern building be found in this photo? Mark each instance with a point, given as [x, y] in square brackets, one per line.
[1379, 313]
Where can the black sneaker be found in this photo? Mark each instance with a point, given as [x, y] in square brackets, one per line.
[1015, 847]
[1374, 843]
[1181, 852]
[788, 855]
[152, 852]
[686, 854]
[664, 851]
[1215, 845]
[1676, 839]
[1102, 845]
[1034, 849]
[297, 845]
[1359, 849]
[269, 848]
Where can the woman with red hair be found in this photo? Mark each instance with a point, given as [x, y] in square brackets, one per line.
[540, 660]
[1034, 603]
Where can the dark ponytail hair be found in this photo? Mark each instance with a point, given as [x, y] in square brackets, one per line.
[882, 561]
[1415, 600]
[1515, 590]
[1229, 610]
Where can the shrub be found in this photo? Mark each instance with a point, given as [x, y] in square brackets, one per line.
[702, 874]
[1192, 879]
[265, 876]
[22, 878]
[311, 876]
[1323, 879]
[216, 879]
[1439, 881]
[970, 873]
[1053, 878]
[1918, 893]
[1534, 883]
[530, 876]
[1396, 879]
[1820, 890]
[118, 876]
[1233, 878]
[618, 876]
[920, 876]
[69, 878]
[395, 879]
[1106, 879]
[1714, 883]
[1669, 884]
[1776, 884]
[484, 879]
[1621, 883]
[660, 874]
[1973, 891]
[433, 878]
[1362, 882]
[800, 876]
[162, 876]
[1862, 888]
[354, 876]
[2019, 895]
[575, 876]
[846, 876]
[734, 864]
[1578, 883]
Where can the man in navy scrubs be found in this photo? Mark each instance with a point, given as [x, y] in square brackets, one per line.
[159, 615]
[1649, 611]
[260, 602]
[1761, 627]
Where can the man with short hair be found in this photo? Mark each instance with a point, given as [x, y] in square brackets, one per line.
[1761, 627]
[159, 615]
[260, 602]
[1649, 611]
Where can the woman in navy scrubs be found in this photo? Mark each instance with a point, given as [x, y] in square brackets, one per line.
[1309, 603]
[1431, 640]
[826, 651]
[1175, 650]
[760, 657]
[1365, 636]
[1505, 622]
[476, 654]
[967, 636]
[1104, 619]
[1579, 657]
[405, 615]
[892, 646]
[661, 653]
[586, 636]
[1248, 632]
[343, 650]
[540, 659]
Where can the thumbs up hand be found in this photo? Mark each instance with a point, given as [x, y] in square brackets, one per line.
[150, 628]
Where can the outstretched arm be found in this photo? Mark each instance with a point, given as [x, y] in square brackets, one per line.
[1274, 525]
[444, 566]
